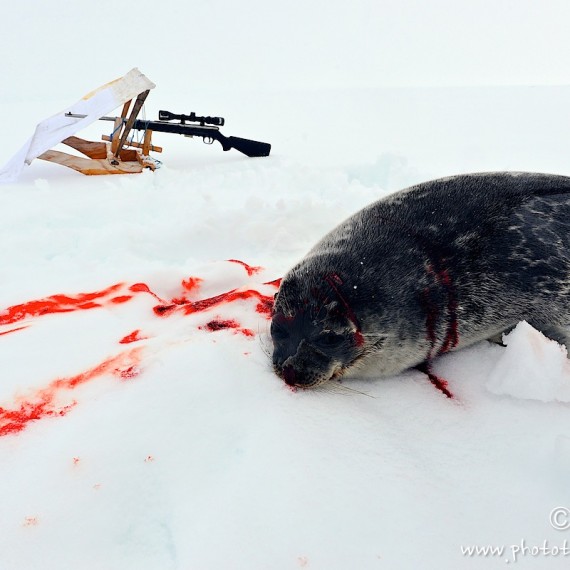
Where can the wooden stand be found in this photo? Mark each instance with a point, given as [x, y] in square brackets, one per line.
[110, 157]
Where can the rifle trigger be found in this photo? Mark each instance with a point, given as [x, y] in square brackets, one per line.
[208, 140]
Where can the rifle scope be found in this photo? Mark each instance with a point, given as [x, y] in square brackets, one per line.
[192, 117]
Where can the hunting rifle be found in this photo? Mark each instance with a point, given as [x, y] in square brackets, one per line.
[206, 127]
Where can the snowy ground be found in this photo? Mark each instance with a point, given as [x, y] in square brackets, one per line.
[137, 438]
[179, 448]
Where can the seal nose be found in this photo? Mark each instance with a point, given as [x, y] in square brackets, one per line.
[304, 368]
[284, 355]
[292, 377]
[289, 375]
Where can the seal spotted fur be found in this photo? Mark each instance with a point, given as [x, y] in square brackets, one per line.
[430, 269]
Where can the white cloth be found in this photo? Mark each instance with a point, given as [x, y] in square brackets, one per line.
[53, 130]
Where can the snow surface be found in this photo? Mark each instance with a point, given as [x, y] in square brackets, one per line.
[179, 448]
[532, 367]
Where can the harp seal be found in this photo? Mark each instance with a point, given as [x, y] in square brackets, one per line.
[427, 270]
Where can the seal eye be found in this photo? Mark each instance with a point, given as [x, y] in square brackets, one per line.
[329, 339]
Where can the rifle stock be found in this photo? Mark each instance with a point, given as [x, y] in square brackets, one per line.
[208, 133]
[245, 146]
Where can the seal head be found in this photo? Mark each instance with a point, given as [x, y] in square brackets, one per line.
[317, 339]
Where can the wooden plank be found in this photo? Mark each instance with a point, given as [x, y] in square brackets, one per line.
[91, 166]
[117, 127]
[129, 155]
[98, 150]
[88, 148]
[135, 144]
[147, 161]
[131, 120]
[125, 109]
[146, 143]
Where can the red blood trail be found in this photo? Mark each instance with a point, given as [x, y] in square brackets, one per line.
[264, 306]
[192, 283]
[56, 304]
[452, 333]
[132, 337]
[432, 311]
[43, 403]
[121, 299]
[451, 338]
[144, 288]
[219, 324]
[275, 282]
[251, 270]
[128, 373]
[438, 382]
[14, 330]
[85, 301]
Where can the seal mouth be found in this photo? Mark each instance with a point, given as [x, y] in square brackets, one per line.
[292, 378]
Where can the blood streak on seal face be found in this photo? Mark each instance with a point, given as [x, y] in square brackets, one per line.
[427, 270]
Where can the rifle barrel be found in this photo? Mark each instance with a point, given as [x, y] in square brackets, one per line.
[78, 116]
[160, 126]
[165, 127]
